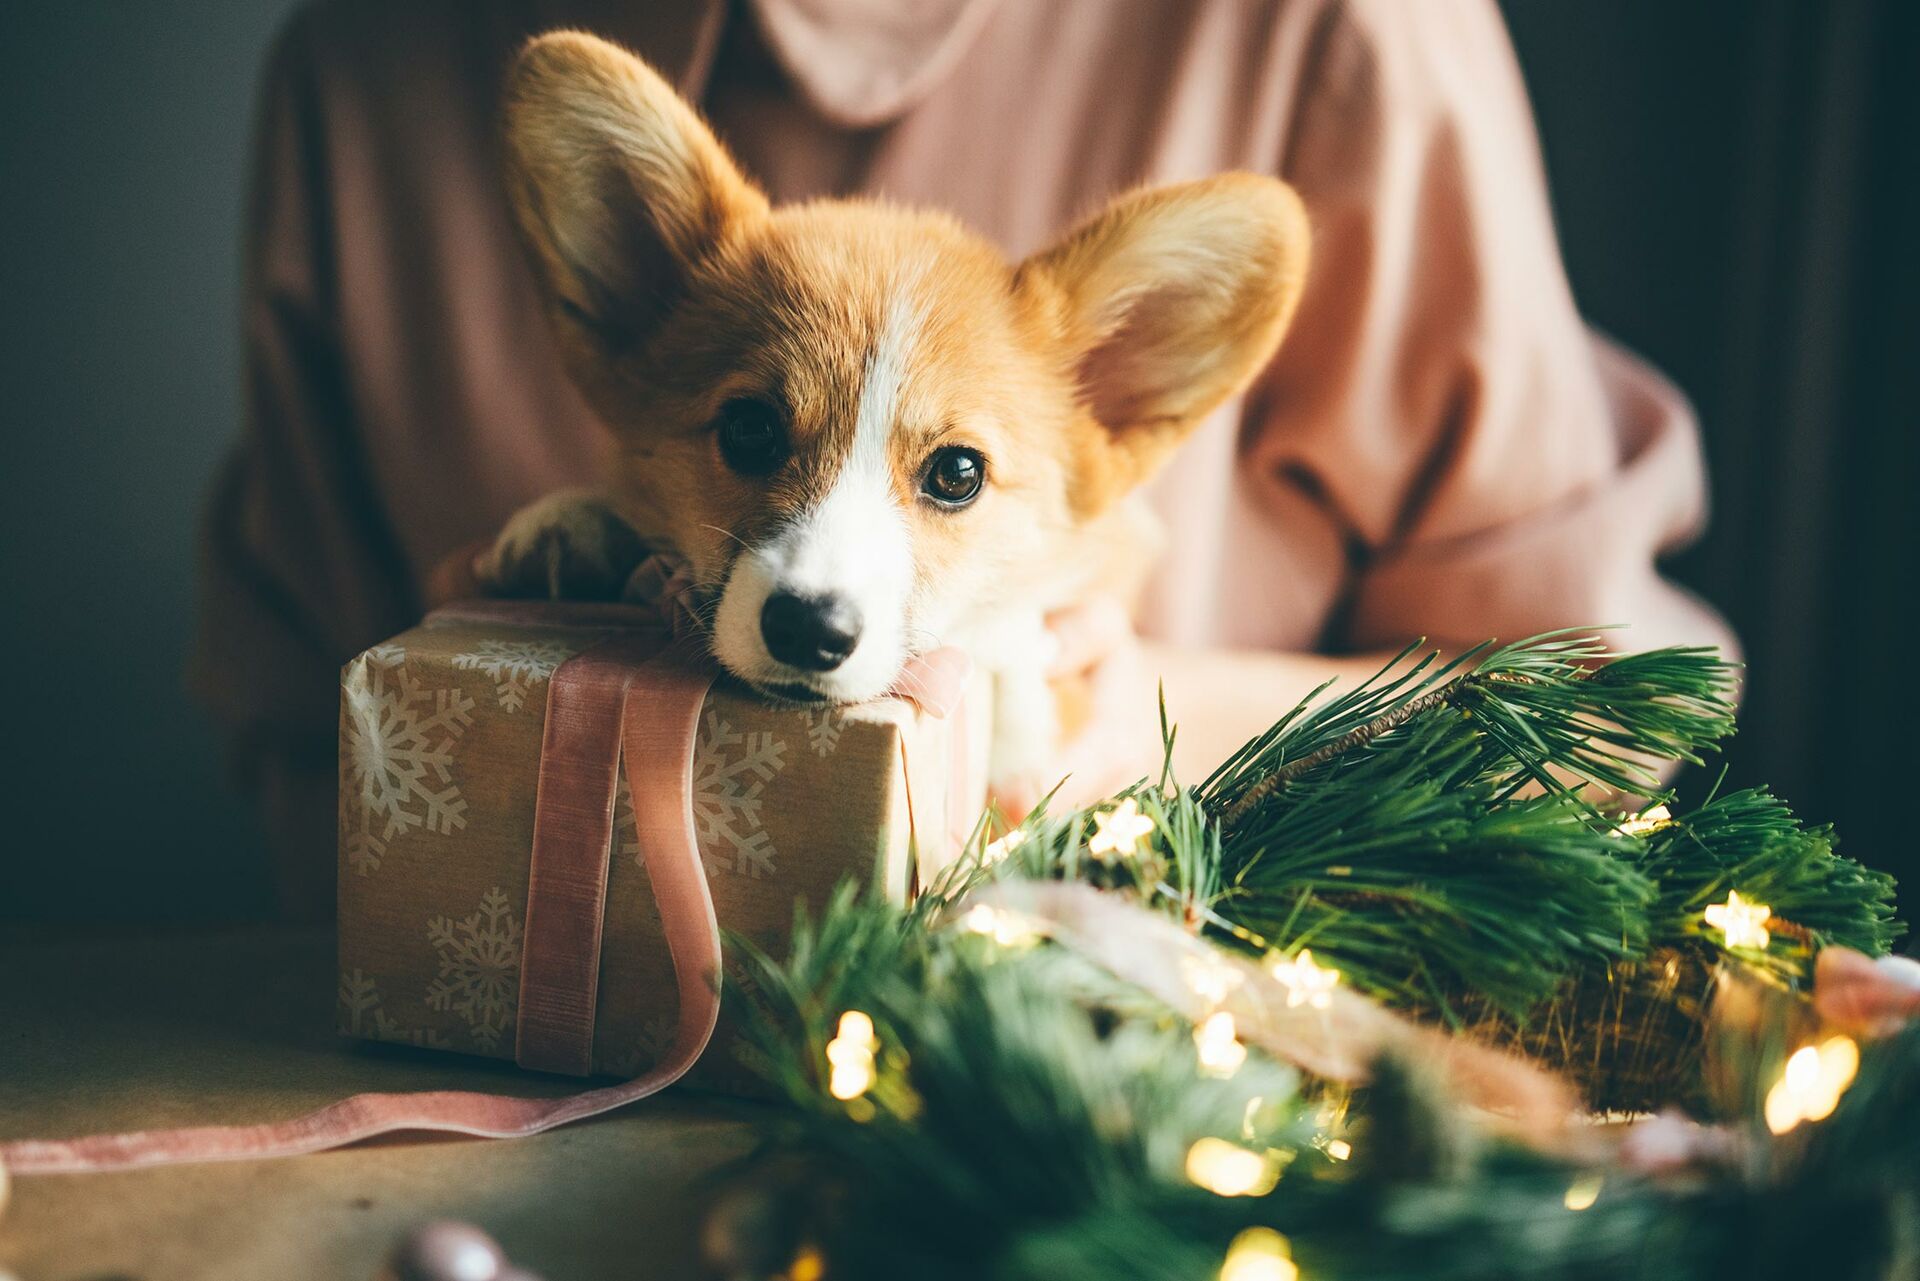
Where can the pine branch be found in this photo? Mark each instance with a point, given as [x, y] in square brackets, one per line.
[1017, 1132]
[1556, 706]
[1750, 842]
[1432, 834]
[1358, 736]
[1002, 1099]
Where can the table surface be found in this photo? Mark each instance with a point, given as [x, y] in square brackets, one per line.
[117, 1033]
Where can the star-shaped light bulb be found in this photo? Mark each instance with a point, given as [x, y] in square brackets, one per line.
[996, 851]
[1118, 830]
[1307, 983]
[1743, 924]
[1646, 822]
[1211, 979]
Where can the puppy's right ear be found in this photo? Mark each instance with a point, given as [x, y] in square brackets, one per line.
[618, 187]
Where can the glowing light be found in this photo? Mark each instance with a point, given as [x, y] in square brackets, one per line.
[1259, 1254]
[850, 1057]
[1227, 1169]
[997, 851]
[1306, 983]
[1743, 924]
[1118, 830]
[807, 1265]
[849, 1081]
[1810, 1087]
[1339, 1149]
[1211, 979]
[1219, 1049]
[1583, 1192]
[1247, 1118]
[1782, 1111]
[1646, 822]
[1008, 929]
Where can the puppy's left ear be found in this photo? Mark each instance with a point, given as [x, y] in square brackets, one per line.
[1170, 301]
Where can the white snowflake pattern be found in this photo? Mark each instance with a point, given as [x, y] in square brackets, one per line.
[361, 1015]
[727, 800]
[823, 728]
[399, 745]
[479, 967]
[514, 666]
[727, 797]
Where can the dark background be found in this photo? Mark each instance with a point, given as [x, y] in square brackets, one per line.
[1737, 184]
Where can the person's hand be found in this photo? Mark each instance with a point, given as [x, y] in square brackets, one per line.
[1109, 711]
[1865, 997]
[457, 576]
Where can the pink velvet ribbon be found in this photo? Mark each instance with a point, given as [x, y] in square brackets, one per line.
[636, 693]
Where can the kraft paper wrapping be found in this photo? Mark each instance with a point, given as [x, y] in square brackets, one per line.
[440, 734]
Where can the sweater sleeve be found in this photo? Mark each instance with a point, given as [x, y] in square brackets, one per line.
[297, 568]
[1492, 467]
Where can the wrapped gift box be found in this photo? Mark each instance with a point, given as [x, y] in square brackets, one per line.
[441, 733]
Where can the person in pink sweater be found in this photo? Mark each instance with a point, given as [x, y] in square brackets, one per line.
[1442, 447]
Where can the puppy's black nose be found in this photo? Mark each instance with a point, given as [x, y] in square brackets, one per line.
[816, 633]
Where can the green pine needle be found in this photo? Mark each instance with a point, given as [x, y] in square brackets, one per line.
[1750, 842]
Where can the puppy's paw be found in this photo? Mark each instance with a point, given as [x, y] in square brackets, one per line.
[567, 546]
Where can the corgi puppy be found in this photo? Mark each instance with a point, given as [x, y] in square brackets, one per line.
[864, 430]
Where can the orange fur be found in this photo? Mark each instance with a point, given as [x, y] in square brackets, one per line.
[674, 287]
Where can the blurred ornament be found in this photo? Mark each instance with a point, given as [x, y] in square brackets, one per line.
[445, 1250]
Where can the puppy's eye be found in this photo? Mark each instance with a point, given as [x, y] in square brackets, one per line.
[753, 440]
[954, 476]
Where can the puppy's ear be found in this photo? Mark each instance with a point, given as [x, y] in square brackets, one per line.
[1170, 300]
[617, 185]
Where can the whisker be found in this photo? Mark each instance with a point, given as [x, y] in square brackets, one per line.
[919, 640]
[728, 533]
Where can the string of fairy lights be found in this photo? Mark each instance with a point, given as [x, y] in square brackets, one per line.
[1809, 1088]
